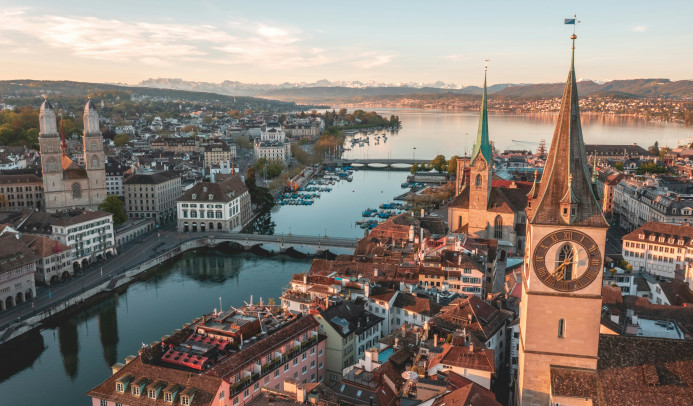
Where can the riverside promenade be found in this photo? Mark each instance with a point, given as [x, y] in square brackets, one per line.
[134, 259]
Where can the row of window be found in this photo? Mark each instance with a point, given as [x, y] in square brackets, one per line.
[11, 189]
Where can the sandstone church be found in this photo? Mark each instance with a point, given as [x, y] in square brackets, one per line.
[66, 185]
[488, 207]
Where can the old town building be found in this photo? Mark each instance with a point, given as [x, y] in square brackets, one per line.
[17, 268]
[18, 192]
[219, 206]
[153, 195]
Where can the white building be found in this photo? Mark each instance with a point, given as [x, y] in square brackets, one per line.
[17, 267]
[659, 249]
[273, 150]
[638, 202]
[272, 132]
[221, 206]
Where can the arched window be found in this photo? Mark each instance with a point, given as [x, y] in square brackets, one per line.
[76, 191]
[93, 145]
[478, 181]
[498, 227]
[561, 328]
[94, 162]
[51, 164]
[565, 261]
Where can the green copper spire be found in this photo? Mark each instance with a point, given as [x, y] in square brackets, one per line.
[482, 145]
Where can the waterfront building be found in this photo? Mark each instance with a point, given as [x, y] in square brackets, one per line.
[220, 206]
[273, 150]
[300, 130]
[66, 185]
[54, 259]
[659, 249]
[89, 233]
[210, 362]
[153, 195]
[19, 192]
[618, 151]
[17, 270]
[486, 207]
[132, 229]
[637, 202]
[350, 330]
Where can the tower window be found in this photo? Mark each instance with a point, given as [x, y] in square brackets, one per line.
[566, 261]
[478, 181]
[51, 164]
[94, 162]
[561, 328]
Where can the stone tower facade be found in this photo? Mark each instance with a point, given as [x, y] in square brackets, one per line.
[481, 166]
[66, 185]
[561, 296]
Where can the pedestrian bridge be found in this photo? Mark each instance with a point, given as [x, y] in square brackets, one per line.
[305, 244]
[376, 163]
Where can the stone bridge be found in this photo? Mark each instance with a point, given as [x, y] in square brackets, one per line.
[305, 244]
[405, 163]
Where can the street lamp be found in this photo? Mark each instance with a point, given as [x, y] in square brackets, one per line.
[414, 154]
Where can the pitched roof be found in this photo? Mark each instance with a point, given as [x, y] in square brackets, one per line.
[151, 178]
[206, 385]
[220, 192]
[347, 318]
[566, 169]
[472, 358]
[14, 253]
[477, 316]
[466, 393]
[43, 246]
[419, 305]
[667, 231]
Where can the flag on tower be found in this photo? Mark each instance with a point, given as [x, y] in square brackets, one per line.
[570, 21]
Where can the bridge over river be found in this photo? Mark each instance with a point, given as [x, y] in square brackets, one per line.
[306, 244]
[377, 163]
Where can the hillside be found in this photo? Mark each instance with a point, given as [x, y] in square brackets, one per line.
[21, 92]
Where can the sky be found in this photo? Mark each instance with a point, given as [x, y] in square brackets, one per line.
[269, 41]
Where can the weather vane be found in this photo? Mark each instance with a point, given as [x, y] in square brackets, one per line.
[486, 64]
[573, 21]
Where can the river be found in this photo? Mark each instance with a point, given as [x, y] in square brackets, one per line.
[68, 360]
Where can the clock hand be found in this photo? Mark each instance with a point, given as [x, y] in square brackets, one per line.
[558, 272]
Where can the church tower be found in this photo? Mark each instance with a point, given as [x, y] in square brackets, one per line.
[94, 156]
[481, 165]
[51, 154]
[562, 280]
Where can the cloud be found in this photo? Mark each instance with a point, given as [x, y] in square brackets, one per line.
[166, 44]
[453, 57]
[373, 59]
[639, 28]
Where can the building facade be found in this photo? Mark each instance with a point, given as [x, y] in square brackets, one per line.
[66, 185]
[115, 172]
[222, 206]
[660, 249]
[218, 153]
[54, 261]
[19, 192]
[153, 196]
[17, 269]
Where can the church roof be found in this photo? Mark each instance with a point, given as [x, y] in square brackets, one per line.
[483, 145]
[567, 159]
[501, 199]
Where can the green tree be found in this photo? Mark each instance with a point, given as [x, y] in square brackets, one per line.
[250, 178]
[654, 149]
[452, 165]
[439, 163]
[619, 166]
[121, 140]
[112, 204]
[650, 168]
[414, 168]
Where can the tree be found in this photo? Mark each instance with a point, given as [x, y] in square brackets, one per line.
[619, 166]
[113, 205]
[439, 163]
[654, 149]
[650, 168]
[452, 165]
[250, 178]
[414, 168]
[121, 140]
[664, 151]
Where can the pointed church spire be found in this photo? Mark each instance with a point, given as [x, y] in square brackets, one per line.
[566, 183]
[483, 145]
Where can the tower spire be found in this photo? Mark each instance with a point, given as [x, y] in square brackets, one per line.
[483, 145]
[566, 173]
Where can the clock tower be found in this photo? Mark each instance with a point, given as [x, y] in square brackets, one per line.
[561, 296]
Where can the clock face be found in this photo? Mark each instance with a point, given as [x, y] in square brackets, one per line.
[567, 260]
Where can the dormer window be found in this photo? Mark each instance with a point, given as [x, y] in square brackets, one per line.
[194, 196]
[661, 239]
[652, 238]
[211, 197]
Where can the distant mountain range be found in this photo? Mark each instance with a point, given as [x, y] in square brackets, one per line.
[324, 90]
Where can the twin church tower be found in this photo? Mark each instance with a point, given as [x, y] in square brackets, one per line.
[563, 252]
[66, 185]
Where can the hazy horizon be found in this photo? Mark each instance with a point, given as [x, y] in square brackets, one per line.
[275, 42]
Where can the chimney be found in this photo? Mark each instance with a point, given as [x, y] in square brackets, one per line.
[471, 347]
[404, 329]
[421, 237]
[435, 340]
[401, 286]
[411, 233]
[396, 342]
[305, 278]
[367, 289]
[437, 297]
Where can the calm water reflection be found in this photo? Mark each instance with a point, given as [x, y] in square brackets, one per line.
[70, 359]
